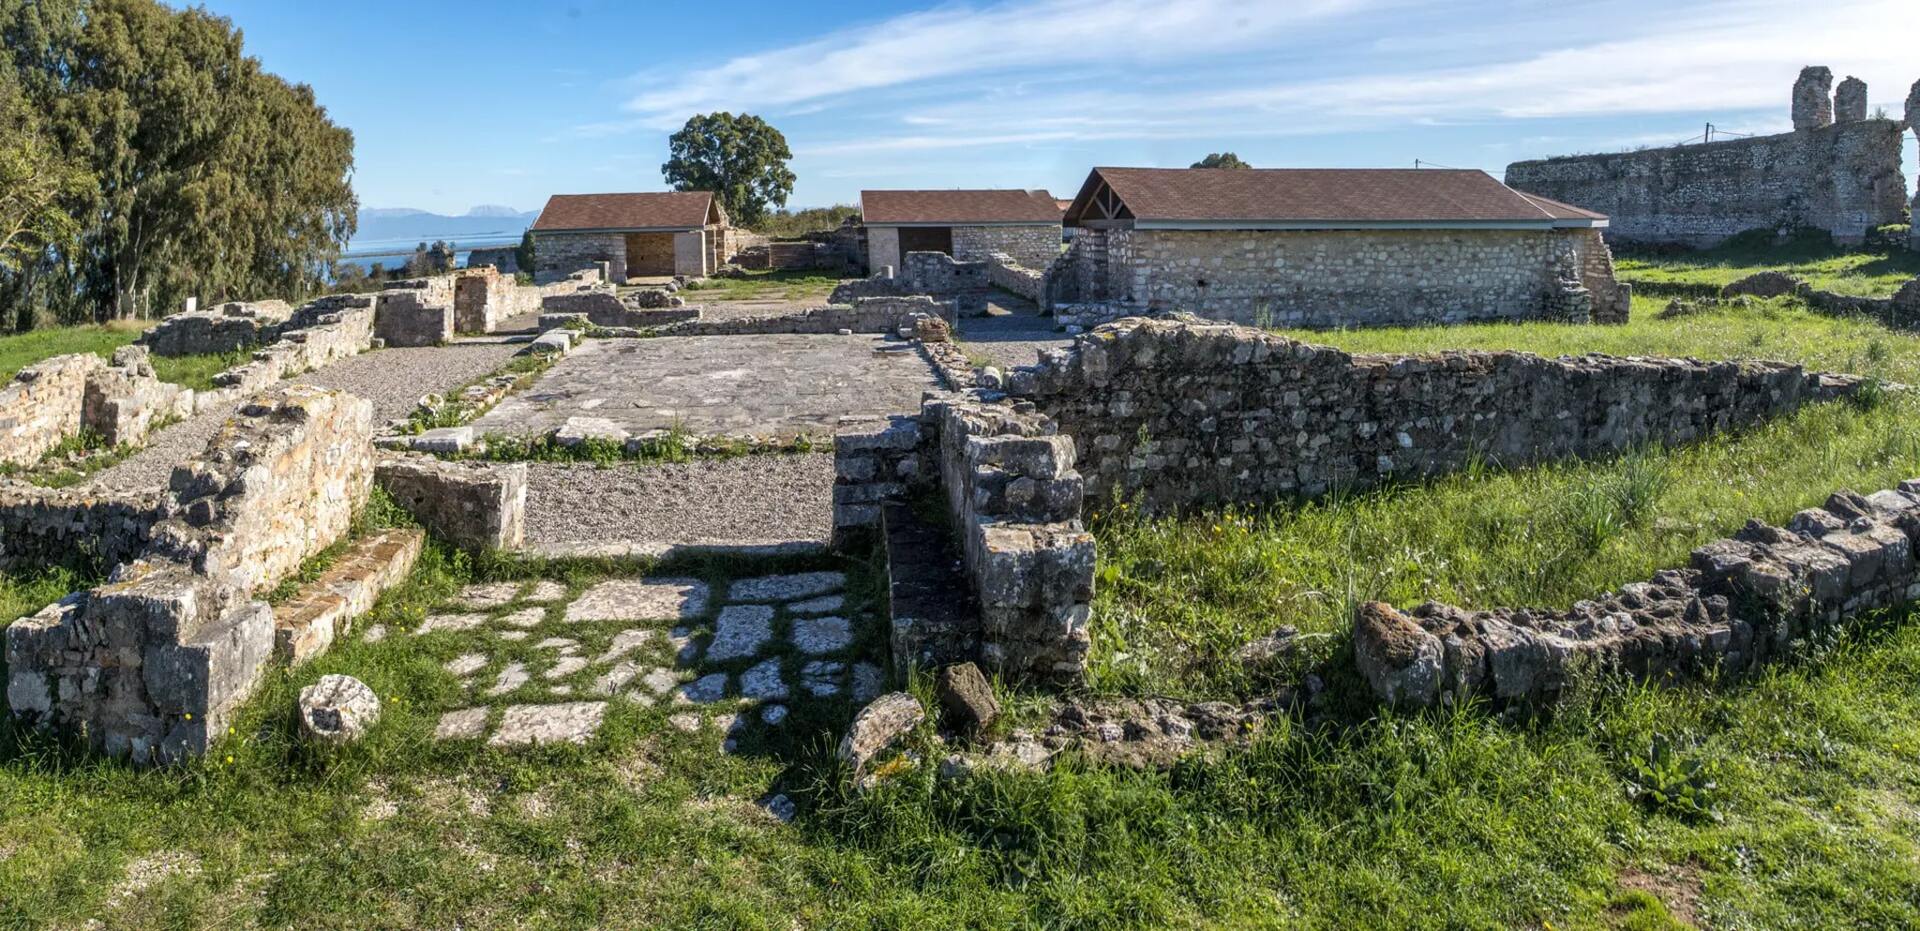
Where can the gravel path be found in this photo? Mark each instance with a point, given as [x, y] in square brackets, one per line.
[1010, 340]
[746, 500]
[393, 379]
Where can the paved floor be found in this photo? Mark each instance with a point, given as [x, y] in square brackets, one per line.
[761, 386]
[750, 501]
[1013, 333]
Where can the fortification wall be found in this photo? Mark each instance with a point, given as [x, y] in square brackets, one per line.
[1844, 178]
[1181, 412]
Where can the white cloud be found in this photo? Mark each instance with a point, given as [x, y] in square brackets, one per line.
[959, 40]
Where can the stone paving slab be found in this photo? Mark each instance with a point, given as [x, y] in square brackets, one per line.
[778, 385]
[641, 600]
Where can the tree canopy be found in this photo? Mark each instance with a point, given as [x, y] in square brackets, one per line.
[1221, 160]
[199, 173]
[741, 159]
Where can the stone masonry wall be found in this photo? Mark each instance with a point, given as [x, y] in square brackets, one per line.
[1338, 278]
[1033, 246]
[225, 328]
[57, 398]
[557, 255]
[1180, 412]
[1006, 273]
[474, 505]
[415, 313]
[1740, 602]
[42, 527]
[864, 315]
[321, 333]
[153, 664]
[482, 297]
[1844, 178]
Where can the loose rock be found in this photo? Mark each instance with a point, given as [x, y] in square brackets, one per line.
[337, 709]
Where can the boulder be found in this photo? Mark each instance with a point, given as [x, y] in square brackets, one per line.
[966, 699]
[1400, 660]
[337, 710]
[1765, 284]
[879, 726]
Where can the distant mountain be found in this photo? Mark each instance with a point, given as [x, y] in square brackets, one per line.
[394, 229]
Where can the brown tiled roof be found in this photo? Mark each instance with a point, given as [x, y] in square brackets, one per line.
[1311, 196]
[659, 210]
[1558, 210]
[958, 207]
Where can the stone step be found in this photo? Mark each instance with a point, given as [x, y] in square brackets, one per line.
[307, 624]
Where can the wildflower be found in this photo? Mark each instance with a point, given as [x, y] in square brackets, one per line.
[229, 759]
[189, 715]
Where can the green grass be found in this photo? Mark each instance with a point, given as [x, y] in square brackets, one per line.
[23, 349]
[792, 285]
[1345, 819]
[197, 372]
[1861, 274]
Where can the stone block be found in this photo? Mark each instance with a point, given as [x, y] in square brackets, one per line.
[477, 506]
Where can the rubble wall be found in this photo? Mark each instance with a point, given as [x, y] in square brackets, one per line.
[1756, 596]
[42, 527]
[1844, 178]
[1032, 245]
[1179, 411]
[153, 664]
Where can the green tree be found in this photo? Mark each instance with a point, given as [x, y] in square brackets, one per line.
[35, 178]
[741, 159]
[206, 175]
[523, 257]
[1221, 160]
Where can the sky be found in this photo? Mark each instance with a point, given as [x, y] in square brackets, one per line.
[481, 102]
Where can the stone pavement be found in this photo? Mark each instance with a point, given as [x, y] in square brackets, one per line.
[538, 668]
[1012, 334]
[745, 502]
[763, 386]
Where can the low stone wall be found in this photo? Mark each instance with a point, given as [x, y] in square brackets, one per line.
[925, 273]
[1740, 602]
[324, 331]
[226, 328]
[58, 398]
[102, 528]
[1901, 311]
[477, 506]
[1177, 412]
[482, 297]
[601, 306]
[866, 315]
[415, 313]
[1008, 275]
[153, 664]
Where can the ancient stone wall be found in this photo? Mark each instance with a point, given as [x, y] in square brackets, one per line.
[1844, 178]
[477, 506]
[415, 313]
[42, 527]
[558, 255]
[1740, 602]
[1034, 246]
[1178, 412]
[225, 328]
[1006, 273]
[504, 259]
[601, 306]
[883, 248]
[321, 333]
[865, 315]
[1338, 278]
[153, 664]
[482, 297]
[940, 273]
[58, 398]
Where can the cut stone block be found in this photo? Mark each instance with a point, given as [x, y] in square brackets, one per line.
[763, 681]
[439, 622]
[486, 595]
[625, 642]
[524, 618]
[579, 430]
[786, 587]
[444, 440]
[466, 664]
[461, 724]
[641, 600]
[822, 634]
[512, 677]
[308, 623]
[706, 689]
[546, 592]
[825, 604]
[740, 631]
[821, 678]
[566, 722]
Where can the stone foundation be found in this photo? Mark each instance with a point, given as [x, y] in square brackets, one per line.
[476, 506]
[101, 529]
[226, 328]
[321, 333]
[866, 315]
[153, 664]
[307, 624]
[58, 398]
[1760, 595]
[415, 313]
[1175, 412]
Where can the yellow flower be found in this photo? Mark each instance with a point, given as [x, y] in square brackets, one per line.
[189, 715]
[229, 759]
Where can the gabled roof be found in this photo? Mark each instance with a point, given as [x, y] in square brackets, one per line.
[1558, 210]
[652, 211]
[1313, 198]
[957, 208]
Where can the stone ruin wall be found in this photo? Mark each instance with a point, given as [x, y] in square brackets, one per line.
[320, 333]
[416, 312]
[1006, 273]
[153, 664]
[91, 527]
[1342, 278]
[1842, 177]
[1032, 246]
[886, 315]
[1179, 412]
[229, 327]
[557, 256]
[1760, 595]
[1913, 123]
[58, 398]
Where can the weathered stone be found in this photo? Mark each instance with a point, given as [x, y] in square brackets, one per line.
[565, 666]
[786, 587]
[434, 623]
[1850, 101]
[822, 634]
[763, 681]
[825, 604]
[740, 631]
[487, 595]
[465, 664]
[966, 698]
[821, 678]
[1765, 284]
[1813, 98]
[640, 600]
[461, 724]
[524, 618]
[1399, 660]
[512, 677]
[868, 682]
[538, 725]
[337, 710]
[444, 440]
[576, 431]
[705, 690]
[477, 506]
[625, 642]
[307, 624]
[879, 726]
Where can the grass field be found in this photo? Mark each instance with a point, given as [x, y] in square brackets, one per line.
[1861, 274]
[799, 285]
[20, 350]
[1455, 819]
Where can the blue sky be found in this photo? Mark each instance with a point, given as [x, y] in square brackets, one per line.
[483, 102]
